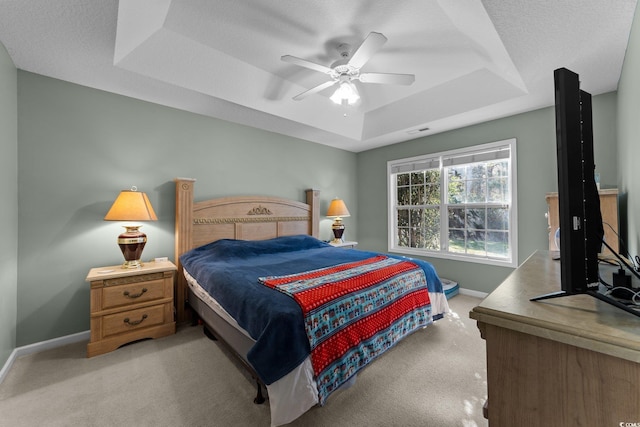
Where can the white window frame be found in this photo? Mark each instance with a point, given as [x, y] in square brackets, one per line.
[419, 162]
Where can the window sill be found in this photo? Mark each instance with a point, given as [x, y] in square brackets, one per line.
[455, 257]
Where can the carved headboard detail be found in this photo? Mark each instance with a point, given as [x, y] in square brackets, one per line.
[241, 217]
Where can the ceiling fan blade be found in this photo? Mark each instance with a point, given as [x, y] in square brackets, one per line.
[307, 64]
[316, 89]
[369, 46]
[387, 78]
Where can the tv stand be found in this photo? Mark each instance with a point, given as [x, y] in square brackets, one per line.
[550, 295]
[572, 362]
[594, 294]
[613, 302]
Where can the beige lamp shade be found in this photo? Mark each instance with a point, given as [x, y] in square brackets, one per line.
[337, 209]
[131, 205]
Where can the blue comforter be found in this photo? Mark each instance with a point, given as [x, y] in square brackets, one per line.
[229, 271]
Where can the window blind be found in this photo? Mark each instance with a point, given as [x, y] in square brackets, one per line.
[416, 165]
[497, 153]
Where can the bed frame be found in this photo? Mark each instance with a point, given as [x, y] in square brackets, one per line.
[245, 218]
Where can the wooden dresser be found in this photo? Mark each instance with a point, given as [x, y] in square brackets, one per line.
[130, 305]
[570, 361]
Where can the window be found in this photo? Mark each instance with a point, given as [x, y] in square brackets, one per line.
[457, 204]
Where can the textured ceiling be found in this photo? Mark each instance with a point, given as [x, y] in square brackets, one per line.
[473, 61]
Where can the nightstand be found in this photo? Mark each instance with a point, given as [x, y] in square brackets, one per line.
[345, 244]
[130, 304]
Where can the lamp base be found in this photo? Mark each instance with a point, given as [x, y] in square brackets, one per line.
[131, 244]
[136, 263]
[338, 231]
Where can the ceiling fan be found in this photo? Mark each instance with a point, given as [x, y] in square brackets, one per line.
[347, 69]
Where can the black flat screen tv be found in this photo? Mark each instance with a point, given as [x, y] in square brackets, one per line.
[581, 229]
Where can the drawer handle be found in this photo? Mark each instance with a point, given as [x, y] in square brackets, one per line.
[134, 322]
[133, 296]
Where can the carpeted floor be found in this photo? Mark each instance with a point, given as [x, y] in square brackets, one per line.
[435, 377]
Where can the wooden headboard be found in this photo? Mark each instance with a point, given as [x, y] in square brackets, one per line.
[242, 217]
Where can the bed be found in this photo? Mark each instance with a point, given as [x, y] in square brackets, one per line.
[249, 268]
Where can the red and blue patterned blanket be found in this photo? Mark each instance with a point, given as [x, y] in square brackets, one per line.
[355, 311]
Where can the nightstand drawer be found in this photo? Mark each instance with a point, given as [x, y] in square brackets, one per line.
[133, 293]
[131, 320]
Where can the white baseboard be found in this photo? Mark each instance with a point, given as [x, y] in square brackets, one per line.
[473, 293]
[41, 346]
[7, 365]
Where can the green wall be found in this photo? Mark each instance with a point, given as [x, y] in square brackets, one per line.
[78, 147]
[536, 168]
[9, 205]
[629, 140]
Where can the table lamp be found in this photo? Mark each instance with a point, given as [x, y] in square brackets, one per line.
[131, 205]
[337, 210]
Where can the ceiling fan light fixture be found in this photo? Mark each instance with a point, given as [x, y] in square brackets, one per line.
[347, 69]
[346, 93]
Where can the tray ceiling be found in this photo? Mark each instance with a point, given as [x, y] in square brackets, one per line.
[473, 61]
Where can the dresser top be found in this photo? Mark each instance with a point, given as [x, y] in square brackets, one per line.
[579, 320]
